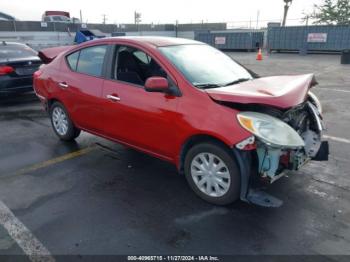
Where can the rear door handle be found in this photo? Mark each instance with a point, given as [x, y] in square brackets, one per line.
[63, 84]
[113, 98]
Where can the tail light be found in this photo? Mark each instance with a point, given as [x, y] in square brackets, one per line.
[5, 70]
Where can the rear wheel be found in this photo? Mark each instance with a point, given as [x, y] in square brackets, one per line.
[212, 173]
[62, 124]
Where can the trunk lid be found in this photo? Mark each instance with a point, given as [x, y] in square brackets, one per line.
[278, 91]
[49, 54]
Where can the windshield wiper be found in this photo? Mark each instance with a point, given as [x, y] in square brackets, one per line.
[211, 85]
[240, 80]
[205, 86]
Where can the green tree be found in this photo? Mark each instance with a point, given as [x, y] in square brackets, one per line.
[287, 4]
[332, 12]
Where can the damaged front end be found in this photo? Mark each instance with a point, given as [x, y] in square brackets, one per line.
[281, 141]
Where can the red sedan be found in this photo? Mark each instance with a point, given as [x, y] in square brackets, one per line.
[189, 104]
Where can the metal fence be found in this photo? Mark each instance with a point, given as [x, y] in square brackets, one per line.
[201, 26]
[37, 26]
[309, 38]
[39, 40]
[293, 38]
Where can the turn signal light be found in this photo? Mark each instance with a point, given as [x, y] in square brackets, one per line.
[5, 70]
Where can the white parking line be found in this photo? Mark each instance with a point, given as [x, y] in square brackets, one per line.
[337, 139]
[30, 245]
[333, 89]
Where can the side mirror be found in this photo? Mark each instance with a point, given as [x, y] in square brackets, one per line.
[157, 84]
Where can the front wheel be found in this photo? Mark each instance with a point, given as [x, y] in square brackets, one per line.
[212, 173]
[62, 124]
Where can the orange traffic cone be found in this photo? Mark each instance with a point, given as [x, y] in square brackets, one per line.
[259, 56]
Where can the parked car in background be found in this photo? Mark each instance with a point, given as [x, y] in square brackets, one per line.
[59, 17]
[190, 104]
[18, 62]
[48, 15]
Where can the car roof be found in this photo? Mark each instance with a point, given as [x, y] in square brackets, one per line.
[156, 41]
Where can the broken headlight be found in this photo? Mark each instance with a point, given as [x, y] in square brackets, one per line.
[270, 130]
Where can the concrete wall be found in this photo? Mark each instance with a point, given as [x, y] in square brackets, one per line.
[39, 40]
[203, 26]
[57, 34]
[36, 26]
[180, 34]
[186, 34]
[151, 33]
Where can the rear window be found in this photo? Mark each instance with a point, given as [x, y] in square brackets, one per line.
[15, 51]
[88, 60]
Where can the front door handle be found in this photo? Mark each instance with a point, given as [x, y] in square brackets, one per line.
[113, 98]
[63, 84]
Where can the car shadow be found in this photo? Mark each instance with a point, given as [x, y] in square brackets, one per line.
[18, 99]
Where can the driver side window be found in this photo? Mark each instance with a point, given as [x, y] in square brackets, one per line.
[135, 66]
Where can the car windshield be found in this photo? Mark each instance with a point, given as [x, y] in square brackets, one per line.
[11, 51]
[205, 66]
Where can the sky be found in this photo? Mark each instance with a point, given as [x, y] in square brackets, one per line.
[236, 12]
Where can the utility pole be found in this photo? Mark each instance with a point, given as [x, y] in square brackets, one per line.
[81, 16]
[104, 19]
[137, 19]
[257, 19]
[176, 28]
[287, 4]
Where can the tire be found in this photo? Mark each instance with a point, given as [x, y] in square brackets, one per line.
[225, 180]
[61, 123]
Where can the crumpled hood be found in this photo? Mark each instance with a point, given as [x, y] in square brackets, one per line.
[279, 91]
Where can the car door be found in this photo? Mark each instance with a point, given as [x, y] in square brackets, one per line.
[142, 119]
[82, 82]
